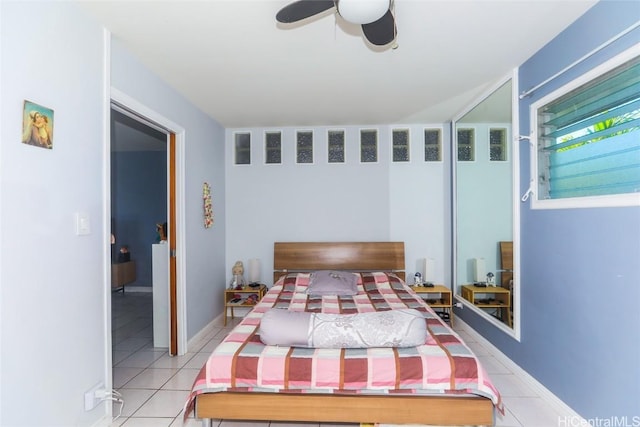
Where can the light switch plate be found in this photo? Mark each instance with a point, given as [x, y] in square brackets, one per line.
[83, 224]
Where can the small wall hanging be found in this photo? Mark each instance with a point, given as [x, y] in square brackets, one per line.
[208, 208]
[37, 125]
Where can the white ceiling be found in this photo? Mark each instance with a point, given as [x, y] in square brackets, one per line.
[233, 61]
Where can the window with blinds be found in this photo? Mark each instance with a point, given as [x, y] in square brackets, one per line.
[588, 137]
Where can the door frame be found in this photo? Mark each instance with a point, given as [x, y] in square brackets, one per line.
[168, 125]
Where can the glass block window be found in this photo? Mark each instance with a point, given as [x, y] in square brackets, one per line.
[242, 148]
[400, 140]
[497, 144]
[466, 145]
[273, 147]
[304, 147]
[336, 146]
[432, 145]
[368, 146]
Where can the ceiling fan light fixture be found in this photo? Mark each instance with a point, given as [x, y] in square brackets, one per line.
[362, 11]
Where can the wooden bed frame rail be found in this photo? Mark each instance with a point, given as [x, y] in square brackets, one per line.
[436, 410]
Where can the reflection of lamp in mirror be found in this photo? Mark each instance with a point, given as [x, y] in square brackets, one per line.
[428, 268]
[479, 275]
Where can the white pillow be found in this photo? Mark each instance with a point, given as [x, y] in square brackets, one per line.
[392, 328]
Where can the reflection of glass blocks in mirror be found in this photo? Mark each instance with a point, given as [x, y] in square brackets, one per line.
[273, 147]
[336, 146]
[400, 140]
[369, 146]
[432, 145]
[466, 145]
[304, 147]
[243, 148]
[497, 144]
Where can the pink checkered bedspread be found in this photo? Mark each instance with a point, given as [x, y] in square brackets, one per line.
[443, 365]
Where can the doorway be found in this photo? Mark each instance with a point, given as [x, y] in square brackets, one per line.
[173, 142]
[139, 254]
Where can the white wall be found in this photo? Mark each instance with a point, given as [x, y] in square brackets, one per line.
[53, 289]
[52, 282]
[352, 201]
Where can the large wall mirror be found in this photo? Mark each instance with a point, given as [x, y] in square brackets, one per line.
[485, 208]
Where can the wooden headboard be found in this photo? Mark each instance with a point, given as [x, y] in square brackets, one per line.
[355, 256]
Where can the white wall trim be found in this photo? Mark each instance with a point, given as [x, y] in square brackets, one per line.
[540, 389]
[106, 225]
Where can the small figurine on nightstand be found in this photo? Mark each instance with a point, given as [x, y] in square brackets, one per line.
[237, 282]
[490, 279]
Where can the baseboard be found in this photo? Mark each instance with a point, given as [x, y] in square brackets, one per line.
[204, 331]
[105, 421]
[540, 389]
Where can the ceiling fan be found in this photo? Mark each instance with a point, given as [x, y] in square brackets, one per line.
[375, 17]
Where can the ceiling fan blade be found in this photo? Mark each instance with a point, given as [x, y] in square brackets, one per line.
[302, 9]
[381, 32]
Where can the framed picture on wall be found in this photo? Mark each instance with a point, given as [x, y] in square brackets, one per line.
[37, 125]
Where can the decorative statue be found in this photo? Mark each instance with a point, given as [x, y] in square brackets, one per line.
[161, 229]
[124, 255]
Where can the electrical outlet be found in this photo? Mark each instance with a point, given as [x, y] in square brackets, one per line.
[90, 399]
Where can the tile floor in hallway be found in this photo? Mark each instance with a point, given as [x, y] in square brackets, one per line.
[155, 386]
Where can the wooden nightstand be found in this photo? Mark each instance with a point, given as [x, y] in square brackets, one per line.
[444, 302]
[246, 297]
[495, 297]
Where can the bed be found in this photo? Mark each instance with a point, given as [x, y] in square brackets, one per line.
[459, 392]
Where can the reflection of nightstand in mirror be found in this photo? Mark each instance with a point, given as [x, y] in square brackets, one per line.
[444, 302]
[493, 297]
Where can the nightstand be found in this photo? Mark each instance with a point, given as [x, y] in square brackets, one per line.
[494, 297]
[444, 302]
[246, 297]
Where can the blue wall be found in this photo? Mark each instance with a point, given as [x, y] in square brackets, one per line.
[580, 275]
[139, 201]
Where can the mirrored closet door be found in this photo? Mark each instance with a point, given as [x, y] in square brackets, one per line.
[485, 206]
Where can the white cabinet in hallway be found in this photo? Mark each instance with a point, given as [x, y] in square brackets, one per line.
[160, 274]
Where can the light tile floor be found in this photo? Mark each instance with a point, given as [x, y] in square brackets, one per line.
[155, 386]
